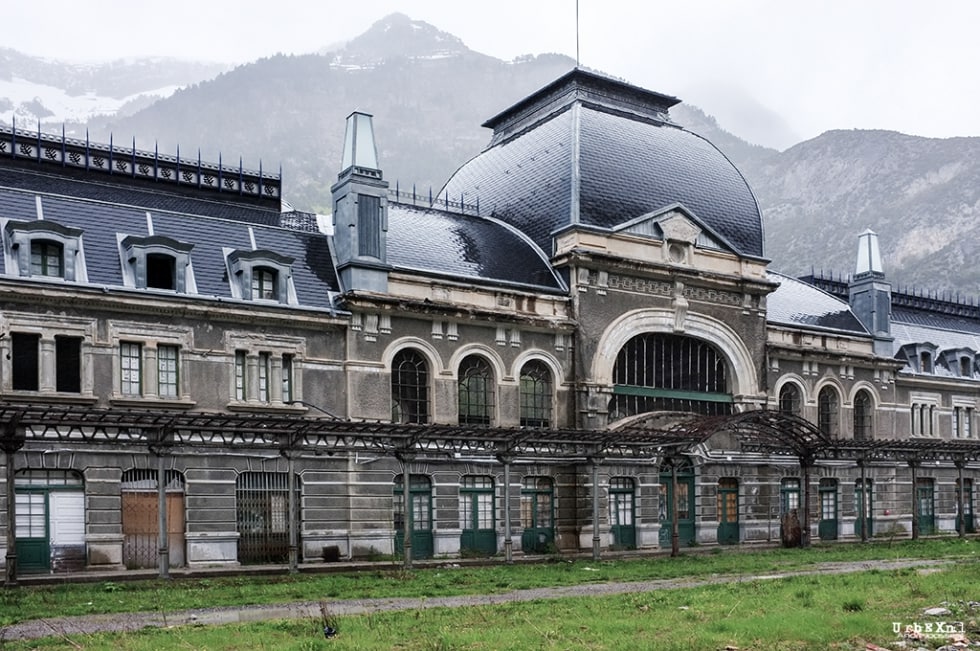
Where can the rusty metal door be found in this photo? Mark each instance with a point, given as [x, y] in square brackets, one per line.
[140, 518]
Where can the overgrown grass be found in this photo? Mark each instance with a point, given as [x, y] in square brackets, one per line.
[24, 603]
[797, 613]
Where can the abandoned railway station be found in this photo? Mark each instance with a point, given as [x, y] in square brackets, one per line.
[588, 353]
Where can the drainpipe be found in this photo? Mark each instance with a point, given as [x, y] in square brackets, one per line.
[406, 460]
[291, 507]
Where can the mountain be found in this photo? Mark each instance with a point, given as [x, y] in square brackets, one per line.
[58, 92]
[429, 93]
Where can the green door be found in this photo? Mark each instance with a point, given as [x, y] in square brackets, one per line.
[827, 529]
[727, 511]
[33, 550]
[683, 504]
[790, 527]
[537, 515]
[967, 505]
[925, 494]
[863, 508]
[419, 516]
[476, 513]
[621, 512]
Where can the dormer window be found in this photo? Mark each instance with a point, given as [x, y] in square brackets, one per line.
[47, 259]
[966, 367]
[161, 271]
[157, 262]
[265, 283]
[43, 249]
[925, 362]
[261, 275]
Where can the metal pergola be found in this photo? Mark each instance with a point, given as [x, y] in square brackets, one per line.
[161, 432]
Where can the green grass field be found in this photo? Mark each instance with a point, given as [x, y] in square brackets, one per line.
[804, 612]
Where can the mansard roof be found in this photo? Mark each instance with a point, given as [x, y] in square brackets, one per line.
[105, 212]
[796, 303]
[596, 151]
[465, 246]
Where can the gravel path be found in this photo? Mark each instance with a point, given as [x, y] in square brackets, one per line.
[62, 626]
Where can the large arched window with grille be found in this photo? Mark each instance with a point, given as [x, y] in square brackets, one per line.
[476, 391]
[862, 416]
[828, 406]
[536, 394]
[790, 399]
[409, 387]
[669, 372]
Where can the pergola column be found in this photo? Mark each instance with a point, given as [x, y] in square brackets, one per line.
[960, 502]
[508, 536]
[11, 443]
[163, 534]
[863, 500]
[596, 539]
[915, 499]
[805, 464]
[406, 460]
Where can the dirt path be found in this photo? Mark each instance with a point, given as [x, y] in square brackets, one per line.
[60, 626]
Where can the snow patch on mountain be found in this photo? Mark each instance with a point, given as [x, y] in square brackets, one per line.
[27, 102]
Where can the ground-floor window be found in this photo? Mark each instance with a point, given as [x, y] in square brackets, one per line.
[262, 500]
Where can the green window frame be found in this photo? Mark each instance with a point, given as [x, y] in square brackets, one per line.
[241, 375]
[265, 284]
[47, 259]
[536, 389]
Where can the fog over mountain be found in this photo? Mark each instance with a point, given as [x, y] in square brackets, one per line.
[429, 93]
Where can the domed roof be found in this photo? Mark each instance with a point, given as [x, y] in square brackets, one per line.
[595, 151]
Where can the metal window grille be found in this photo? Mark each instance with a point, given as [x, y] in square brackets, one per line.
[668, 372]
[131, 367]
[536, 394]
[476, 392]
[140, 517]
[409, 387]
[263, 516]
[47, 259]
[167, 371]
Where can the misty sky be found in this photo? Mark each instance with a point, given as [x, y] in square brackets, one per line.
[774, 71]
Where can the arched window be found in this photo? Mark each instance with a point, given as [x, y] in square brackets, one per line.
[668, 372]
[409, 387]
[827, 411]
[862, 416]
[790, 400]
[536, 394]
[476, 391]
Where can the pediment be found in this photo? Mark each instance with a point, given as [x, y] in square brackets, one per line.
[674, 224]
